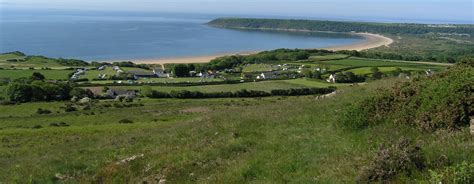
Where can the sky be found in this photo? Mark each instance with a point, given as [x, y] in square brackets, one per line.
[450, 10]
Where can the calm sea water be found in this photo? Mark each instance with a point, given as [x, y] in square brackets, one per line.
[119, 36]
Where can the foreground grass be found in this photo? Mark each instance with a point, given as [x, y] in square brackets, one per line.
[275, 139]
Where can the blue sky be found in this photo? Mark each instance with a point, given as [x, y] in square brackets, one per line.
[460, 10]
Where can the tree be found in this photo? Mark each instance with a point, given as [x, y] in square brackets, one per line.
[37, 76]
[18, 92]
[181, 70]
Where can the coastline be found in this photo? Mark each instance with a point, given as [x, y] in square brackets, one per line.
[370, 41]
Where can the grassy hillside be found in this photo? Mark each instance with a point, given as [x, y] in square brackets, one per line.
[276, 139]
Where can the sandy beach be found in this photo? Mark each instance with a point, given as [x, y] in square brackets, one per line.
[371, 41]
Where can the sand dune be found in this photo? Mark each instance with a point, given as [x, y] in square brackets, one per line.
[371, 41]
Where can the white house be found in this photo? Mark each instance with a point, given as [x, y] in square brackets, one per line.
[332, 78]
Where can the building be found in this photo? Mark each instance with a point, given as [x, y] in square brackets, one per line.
[159, 72]
[137, 74]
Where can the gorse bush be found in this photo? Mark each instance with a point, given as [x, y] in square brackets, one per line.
[442, 101]
[403, 157]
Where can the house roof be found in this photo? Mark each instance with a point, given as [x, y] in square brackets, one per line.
[141, 72]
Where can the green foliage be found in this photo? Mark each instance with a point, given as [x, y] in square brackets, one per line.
[37, 76]
[182, 70]
[81, 93]
[403, 157]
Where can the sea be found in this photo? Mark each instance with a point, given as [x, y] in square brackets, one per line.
[128, 36]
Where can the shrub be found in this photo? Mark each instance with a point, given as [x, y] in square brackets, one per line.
[403, 157]
[37, 127]
[125, 121]
[43, 111]
[371, 110]
[70, 108]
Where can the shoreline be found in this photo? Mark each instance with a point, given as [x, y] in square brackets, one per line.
[370, 41]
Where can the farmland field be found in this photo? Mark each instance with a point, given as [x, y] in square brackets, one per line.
[257, 86]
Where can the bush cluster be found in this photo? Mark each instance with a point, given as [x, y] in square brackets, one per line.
[445, 100]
